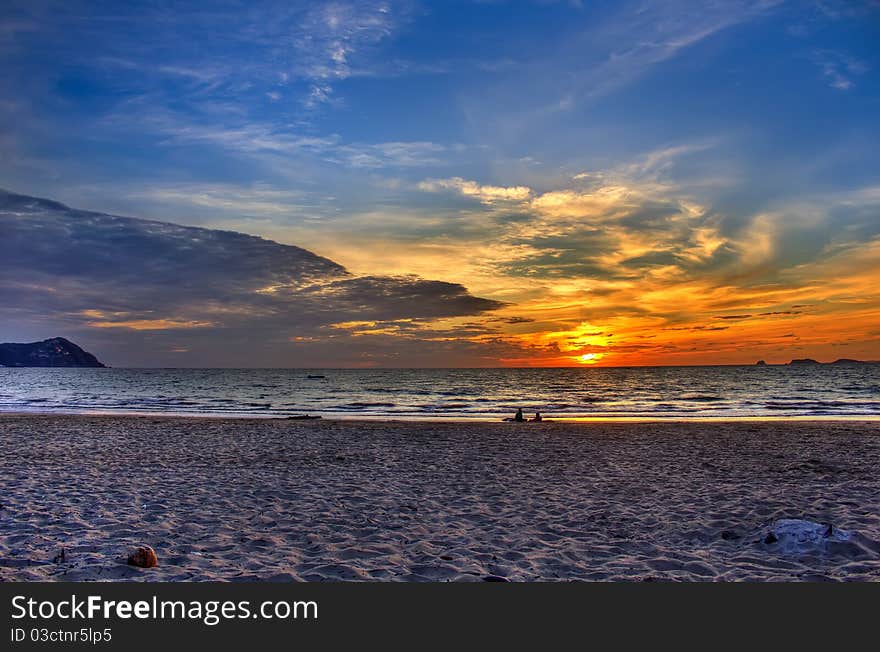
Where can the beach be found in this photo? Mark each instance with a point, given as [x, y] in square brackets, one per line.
[326, 500]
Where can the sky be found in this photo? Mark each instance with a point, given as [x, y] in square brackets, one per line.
[462, 183]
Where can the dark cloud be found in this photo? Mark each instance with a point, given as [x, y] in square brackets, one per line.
[569, 255]
[384, 297]
[513, 320]
[649, 259]
[697, 328]
[166, 263]
[150, 285]
[652, 216]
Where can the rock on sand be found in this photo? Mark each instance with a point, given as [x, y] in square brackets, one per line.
[792, 535]
[143, 557]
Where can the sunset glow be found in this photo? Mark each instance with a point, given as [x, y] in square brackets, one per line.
[370, 186]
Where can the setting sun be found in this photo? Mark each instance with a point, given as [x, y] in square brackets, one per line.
[297, 219]
[337, 269]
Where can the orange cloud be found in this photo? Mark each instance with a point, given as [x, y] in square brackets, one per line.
[104, 320]
[630, 270]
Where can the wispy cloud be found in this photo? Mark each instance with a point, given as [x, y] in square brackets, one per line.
[838, 69]
[609, 55]
[254, 138]
[391, 154]
[257, 199]
[643, 36]
[483, 193]
[332, 33]
[838, 9]
[297, 48]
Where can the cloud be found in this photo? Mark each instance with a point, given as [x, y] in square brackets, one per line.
[331, 33]
[99, 319]
[838, 9]
[265, 142]
[257, 199]
[838, 69]
[318, 94]
[643, 36]
[390, 154]
[91, 272]
[605, 56]
[635, 272]
[199, 58]
[636, 254]
[484, 194]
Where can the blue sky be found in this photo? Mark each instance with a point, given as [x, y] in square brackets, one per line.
[140, 95]
[463, 140]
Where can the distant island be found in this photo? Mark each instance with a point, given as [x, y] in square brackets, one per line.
[809, 361]
[54, 352]
[797, 362]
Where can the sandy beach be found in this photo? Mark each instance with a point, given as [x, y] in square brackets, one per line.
[280, 500]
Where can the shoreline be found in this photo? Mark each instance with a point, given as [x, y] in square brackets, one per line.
[330, 500]
[425, 419]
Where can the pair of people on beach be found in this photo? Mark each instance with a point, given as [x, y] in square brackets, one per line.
[519, 418]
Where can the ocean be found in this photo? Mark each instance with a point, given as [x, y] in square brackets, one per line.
[822, 391]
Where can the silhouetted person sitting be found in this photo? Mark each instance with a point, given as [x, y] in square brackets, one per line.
[537, 416]
[519, 416]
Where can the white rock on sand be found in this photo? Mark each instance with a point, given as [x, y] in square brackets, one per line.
[797, 536]
[279, 500]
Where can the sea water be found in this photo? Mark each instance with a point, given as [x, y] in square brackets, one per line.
[824, 391]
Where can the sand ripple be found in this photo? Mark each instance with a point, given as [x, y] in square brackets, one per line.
[278, 500]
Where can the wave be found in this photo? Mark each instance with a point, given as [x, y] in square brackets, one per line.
[702, 398]
[490, 394]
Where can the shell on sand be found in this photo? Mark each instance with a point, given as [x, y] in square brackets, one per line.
[143, 557]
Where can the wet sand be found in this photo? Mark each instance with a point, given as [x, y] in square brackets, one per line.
[279, 500]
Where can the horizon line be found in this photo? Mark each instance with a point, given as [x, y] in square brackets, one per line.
[665, 366]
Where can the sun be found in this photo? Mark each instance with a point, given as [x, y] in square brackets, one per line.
[589, 358]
